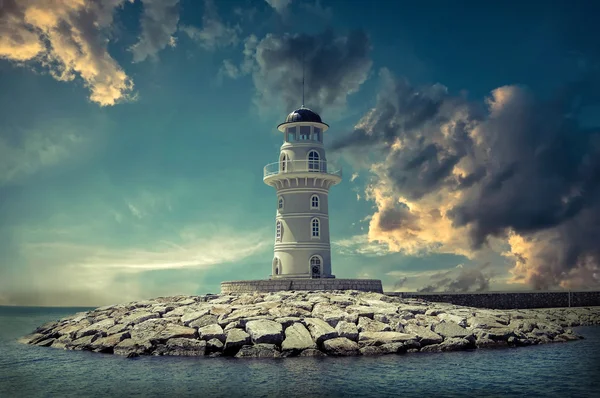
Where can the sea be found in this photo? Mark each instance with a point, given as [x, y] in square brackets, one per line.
[552, 370]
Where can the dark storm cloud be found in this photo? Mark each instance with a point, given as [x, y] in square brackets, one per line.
[334, 67]
[530, 167]
[468, 279]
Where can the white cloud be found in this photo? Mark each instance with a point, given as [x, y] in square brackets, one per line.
[214, 33]
[279, 5]
[360, 245]
[159, 23]
[69, 39]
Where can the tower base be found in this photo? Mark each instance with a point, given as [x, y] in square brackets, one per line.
[275, 285]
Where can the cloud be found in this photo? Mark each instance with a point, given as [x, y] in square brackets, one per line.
[279, 5]
[214, 33]
[67, 38]
[360, 245]
[515, 175]
[335, 66]
[159, 23]
[468, 279]
[93, 274]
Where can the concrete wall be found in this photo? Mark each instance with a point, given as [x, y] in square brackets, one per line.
[367, 285]
[511, 300]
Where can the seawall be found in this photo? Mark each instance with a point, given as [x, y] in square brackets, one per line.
[510, 300]
[276, 285]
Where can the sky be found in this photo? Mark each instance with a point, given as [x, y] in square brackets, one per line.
[133, 136]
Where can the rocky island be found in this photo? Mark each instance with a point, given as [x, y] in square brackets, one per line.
[303, 323]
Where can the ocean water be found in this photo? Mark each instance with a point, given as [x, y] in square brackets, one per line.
[552, 370]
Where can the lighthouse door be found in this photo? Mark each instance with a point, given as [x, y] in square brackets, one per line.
[315, 267]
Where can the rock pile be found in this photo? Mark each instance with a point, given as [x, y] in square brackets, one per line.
[294, 323]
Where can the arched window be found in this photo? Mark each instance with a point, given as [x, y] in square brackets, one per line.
[315, 266]
[279, 231]
[276, 266]
[314, 202]
[280, 203]
[316, 231]
[283, 163]
[313, 161]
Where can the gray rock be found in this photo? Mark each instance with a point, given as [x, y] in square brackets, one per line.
[502, 333]
[287, 321]
[236, 339]
[320, 330]
[297, 338]
[484, 323]
[106, 344]
[368, 325]
[371, 350]
[185, 347]
[451, 344]
[288, 311]
[192, 316]
[242, 313]
[212, 332]
[340, 346]
[32, 338]
[138, 317]
[348, 330]
[265, 331]
[204, 320]
[312, 353]
[258, 351]
[131, 346]
[450, 329]
[450, 318]
[82, 343]
[378, 338]
[434, 311]
[489, 343]
[214, 345]
[424, 335]
[46, 342]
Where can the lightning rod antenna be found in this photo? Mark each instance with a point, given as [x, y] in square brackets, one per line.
[302, 79]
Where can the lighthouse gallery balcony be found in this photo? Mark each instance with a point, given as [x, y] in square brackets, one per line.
[302, 169]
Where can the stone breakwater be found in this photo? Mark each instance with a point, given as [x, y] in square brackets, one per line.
[299, 323]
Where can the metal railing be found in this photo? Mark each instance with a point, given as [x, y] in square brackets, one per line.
[302, 166]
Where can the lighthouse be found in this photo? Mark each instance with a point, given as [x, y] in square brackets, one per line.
[302, 177]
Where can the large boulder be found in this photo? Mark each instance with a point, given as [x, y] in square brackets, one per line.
[348, 330]
[106, 344]
[320, 330]
[369, 325]
[131, 346]
[204, 320]
[236, 339]
[258, 351]
[98, 327]
[425, 335]
[451, 344]
[297, 338]
[192, 316]
[212, 332]
[450, 329]
[378, 338]
[185, 347]
[138, 317]
[264, 331]
[340, 346]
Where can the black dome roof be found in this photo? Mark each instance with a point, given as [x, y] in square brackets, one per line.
[303, 115]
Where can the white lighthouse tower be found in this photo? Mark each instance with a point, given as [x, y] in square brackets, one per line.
[302, 178]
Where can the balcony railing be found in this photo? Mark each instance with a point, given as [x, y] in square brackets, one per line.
[302, 166]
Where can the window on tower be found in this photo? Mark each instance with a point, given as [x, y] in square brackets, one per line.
[313, 161]
[278, 231]
[314, 202]
[315, 224]
[283, 163]
[291, 134]
[316, 134]
[304, 133]
[280, 203]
